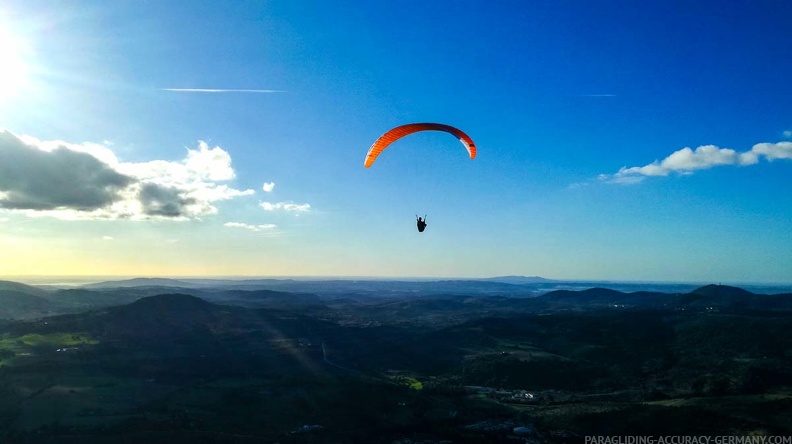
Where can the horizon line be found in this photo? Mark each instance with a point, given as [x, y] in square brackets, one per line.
[39, 277]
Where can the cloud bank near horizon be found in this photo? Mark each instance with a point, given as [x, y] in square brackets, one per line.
[686, 161]
[289, 207]
[85, 181]
[256, 228]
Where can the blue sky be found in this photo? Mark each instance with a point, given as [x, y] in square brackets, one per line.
[581, 111]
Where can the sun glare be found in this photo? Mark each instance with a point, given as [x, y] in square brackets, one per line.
[13, 69]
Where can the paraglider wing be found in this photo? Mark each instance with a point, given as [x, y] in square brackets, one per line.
[404, 130]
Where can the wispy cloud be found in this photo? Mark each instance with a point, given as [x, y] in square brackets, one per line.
[687, 161]
[788, 133]
[268, 187]
[215, 90]
[289, 207]
[109, 238]
[257, 228]
[576, 185]
[102, 187]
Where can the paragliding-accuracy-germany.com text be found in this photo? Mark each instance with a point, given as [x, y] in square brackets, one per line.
[677, 439]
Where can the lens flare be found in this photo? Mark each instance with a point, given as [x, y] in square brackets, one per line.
[13, 68]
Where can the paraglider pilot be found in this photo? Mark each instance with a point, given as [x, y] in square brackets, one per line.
[421, 223]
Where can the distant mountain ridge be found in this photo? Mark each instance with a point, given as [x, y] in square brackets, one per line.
[710, 297]
[509, 285]
[142, 282]
[372, 287]
[388, 298]
[519, 280]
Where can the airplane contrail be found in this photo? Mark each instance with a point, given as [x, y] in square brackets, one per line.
[209, 90]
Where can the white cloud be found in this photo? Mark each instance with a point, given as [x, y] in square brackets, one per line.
[686, 161]
[290, 207]
[87, 181]
[773, 151]
[212, 164]
[653, 169]
[261, 227]
[101, 152]
[202, 164]
[705, 157]
[268, 187]
[4, 219]
[788, 133]
[218, 192]
[108, 238]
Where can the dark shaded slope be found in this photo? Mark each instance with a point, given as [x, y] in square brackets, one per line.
[265, 299]
[681, 353]
[180, 337]
[22, 288]
[170, 315]
[19, 305]
[602, 297]
[724, 297]
[722, 291]
[155, 318]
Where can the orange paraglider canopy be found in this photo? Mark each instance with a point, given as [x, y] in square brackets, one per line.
[404, 130]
